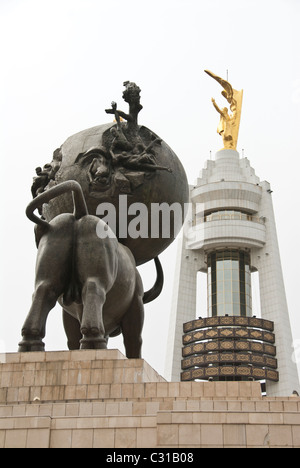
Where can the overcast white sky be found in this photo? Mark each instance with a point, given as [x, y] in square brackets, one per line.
[64, 61]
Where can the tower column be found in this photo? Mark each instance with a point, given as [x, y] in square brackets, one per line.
[183, 306]
[273, 300]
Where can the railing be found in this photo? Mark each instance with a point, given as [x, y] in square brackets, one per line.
[220, 216]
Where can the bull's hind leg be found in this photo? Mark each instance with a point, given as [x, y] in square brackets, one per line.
[53, 271]
[92, 328]
[96, 272]
[132, 325]
[33, 331]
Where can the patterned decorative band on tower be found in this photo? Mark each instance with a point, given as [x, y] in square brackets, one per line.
[229, 348]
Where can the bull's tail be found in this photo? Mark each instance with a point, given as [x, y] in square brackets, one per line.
[154, 292]
[80, 208]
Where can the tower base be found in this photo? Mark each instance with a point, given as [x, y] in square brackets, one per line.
[98, 398]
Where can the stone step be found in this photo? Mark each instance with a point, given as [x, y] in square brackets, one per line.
[55, 356]
[97, 375]
[74, 368]
[229, 429]
[165, 429]
[78, 432]
[112, 391]
[138, 407]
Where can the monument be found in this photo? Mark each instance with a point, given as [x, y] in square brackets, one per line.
[231, 233]
[98, 202]
[88, 244]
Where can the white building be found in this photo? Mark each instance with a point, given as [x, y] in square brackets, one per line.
[230, 233]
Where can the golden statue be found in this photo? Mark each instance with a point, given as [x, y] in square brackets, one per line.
[229, 124]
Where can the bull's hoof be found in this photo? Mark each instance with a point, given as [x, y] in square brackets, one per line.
[93, 343]
[31, 345]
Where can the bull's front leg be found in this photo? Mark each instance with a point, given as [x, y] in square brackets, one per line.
[92, 327]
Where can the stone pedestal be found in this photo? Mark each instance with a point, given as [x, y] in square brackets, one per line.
[95, 399]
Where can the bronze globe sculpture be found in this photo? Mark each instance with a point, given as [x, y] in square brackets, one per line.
[125, 183]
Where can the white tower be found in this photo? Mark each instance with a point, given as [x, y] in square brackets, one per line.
[230, 233]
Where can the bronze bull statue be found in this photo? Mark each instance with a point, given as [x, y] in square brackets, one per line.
[94, 279]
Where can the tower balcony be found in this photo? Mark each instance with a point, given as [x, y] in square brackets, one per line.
[219, 231]
[223, 193]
